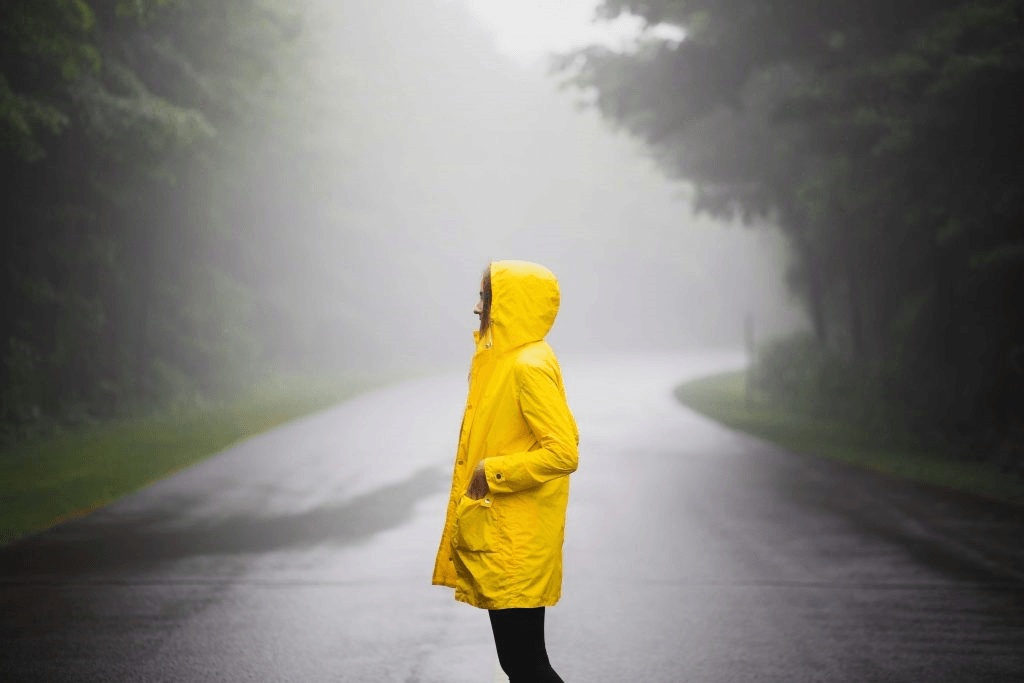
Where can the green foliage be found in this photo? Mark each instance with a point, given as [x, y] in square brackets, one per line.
[727, 399]
[46, 480]
[884, 138]
[140, 9]
[44, 44]
[800, 374]
[118, 122]
[1007, 255]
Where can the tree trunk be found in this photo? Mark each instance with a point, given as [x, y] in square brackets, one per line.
[856, 316]
[815, 280]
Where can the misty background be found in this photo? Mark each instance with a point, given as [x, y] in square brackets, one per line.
[450, 154]
[202, 196]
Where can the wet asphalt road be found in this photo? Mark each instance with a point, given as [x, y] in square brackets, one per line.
[693, 554]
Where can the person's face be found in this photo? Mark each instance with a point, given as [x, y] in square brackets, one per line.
[479, 310]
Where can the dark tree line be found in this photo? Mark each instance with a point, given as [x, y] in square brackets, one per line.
[886, 139]
[118, 122]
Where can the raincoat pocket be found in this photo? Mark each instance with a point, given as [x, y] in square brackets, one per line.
[474, 525]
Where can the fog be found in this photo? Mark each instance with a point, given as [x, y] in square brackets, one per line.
[432, 153]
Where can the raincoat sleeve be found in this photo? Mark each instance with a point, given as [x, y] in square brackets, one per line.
[546, 412]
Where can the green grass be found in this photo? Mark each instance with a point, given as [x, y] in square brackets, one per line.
[48, 480]
[724, 398]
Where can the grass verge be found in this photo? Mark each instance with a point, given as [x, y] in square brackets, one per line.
[49, 480]
[724, 398]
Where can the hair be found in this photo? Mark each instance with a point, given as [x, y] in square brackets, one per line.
[485, 316]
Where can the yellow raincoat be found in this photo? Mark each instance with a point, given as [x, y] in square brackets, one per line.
[505, 550]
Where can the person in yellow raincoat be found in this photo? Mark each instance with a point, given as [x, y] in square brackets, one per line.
[501, 549]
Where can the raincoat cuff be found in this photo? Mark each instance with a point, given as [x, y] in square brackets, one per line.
[497, 478]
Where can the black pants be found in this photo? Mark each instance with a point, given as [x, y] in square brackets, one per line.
[519, 638]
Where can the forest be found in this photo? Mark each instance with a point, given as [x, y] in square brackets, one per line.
[886, 140]
[204, 196]
[146, 259]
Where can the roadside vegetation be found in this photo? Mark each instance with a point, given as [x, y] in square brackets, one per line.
[50, 479]
[733, 401]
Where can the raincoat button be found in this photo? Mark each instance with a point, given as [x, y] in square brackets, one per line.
[498, 475]
[462, 462]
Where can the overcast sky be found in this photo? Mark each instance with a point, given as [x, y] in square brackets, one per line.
[529, 30]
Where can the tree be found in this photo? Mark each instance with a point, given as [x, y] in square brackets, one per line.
[116, 117]
[882, 137]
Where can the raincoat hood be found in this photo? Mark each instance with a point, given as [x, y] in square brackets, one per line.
[524, 303]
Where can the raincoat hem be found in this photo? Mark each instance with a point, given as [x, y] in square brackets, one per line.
[506, 604]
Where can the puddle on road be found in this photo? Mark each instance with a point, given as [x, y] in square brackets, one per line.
[101, 544]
